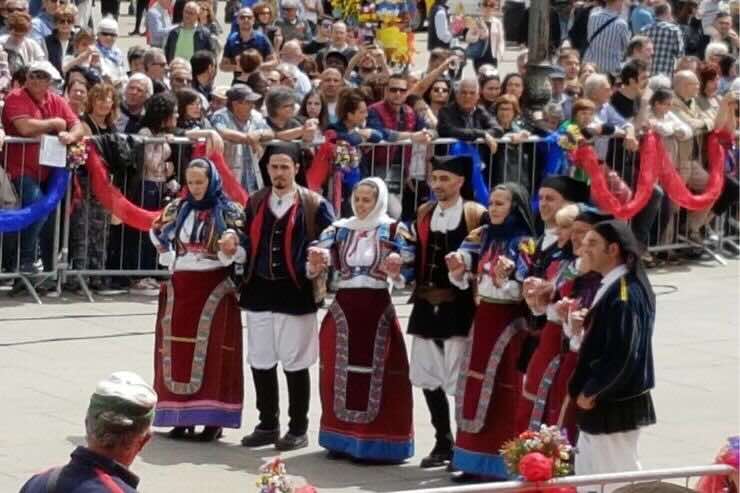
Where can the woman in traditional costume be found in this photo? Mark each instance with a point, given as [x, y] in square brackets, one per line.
[364, 373]
[198, 352]
[489, 385]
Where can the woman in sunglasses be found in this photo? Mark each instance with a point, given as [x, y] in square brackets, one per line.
[263, 17]
[438, 95]
[59, 43]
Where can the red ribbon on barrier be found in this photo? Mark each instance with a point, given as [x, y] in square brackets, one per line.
[111, 197]
[675, 187]
[318, 173]
[655, 167]
[134, 216]
[585, 157]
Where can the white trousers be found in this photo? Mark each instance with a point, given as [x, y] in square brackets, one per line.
[432, 367]
[291, 340]
[605, 453]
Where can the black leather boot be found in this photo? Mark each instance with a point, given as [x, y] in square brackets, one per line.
[439, 409]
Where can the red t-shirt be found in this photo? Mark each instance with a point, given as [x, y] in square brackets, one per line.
[23, 159]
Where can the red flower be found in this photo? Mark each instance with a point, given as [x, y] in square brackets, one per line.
[535, 467]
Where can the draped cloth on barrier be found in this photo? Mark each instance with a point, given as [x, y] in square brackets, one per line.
[134, 216]
[655, 167]
[17, 219]
[480, 189]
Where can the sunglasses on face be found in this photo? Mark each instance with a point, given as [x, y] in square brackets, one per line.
[397, 90]
[65, 21]
[109, 35]
[246, 17]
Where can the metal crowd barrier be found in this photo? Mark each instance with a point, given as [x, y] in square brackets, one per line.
[88, 247]
[596, 482]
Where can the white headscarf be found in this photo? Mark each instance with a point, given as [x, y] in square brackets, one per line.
[379, 214]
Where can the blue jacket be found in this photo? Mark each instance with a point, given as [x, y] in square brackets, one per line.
[86, 472]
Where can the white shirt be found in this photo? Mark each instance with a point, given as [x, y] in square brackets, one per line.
[613, 276]
[444, 220]
[549, 238]
[279, 205]
[442, 27]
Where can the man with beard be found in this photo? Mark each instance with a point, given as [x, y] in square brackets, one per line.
[442, 314]
[280, 301]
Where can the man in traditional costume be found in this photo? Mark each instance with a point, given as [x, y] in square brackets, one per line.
[614, 375]
[280, 301]
[442, 314]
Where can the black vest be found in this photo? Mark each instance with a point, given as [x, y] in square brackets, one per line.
[447, 319]
[432, 40]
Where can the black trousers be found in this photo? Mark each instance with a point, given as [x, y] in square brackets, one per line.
[439, 409]
[141, 7]
[110, 8]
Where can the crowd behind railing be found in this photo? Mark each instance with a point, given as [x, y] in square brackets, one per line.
[81, 247]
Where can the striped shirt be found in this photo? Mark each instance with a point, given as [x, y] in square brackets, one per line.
[607, 48]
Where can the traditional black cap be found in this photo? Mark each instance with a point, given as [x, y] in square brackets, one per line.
[459, 165]
[571, 189]
[290, 149]
[619, 232]
[591, 215]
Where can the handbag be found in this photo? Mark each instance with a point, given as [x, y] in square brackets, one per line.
[477, 49]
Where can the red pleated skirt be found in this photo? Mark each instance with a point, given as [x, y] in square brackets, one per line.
[364, 378]
[198, 358]
[548, 348]
[477, 452]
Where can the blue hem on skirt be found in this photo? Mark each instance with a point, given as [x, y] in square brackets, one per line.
[194, 417]
[490, 465]
[360, 448]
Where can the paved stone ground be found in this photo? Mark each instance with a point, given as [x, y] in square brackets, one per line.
[52, 355]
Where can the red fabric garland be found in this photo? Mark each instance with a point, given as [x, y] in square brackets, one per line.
[318, 173]
[655, 167]
[585, 157]
[675, 187]
[111, 197]
[130, 214]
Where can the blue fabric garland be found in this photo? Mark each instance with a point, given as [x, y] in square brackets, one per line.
[480, 189]
[18, 219]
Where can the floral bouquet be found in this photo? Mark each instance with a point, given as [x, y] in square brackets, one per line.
[273, 479]
[77, 154]
[346, 156]
[538, 455]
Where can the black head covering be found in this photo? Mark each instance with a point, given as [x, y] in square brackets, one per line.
[591, 215]
[571, 189]
[619, 232]
[460, 166]
[520, 220]
[290, 149]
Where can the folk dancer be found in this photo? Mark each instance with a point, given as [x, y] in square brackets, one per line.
[442, 313]
[497, 256]
[198, 344]
[280, 301]
[364, 371]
